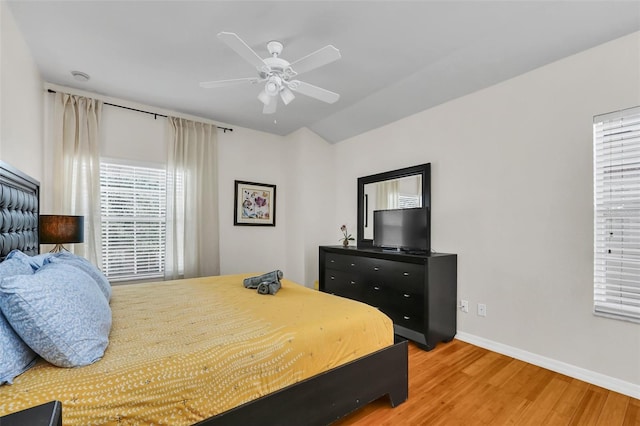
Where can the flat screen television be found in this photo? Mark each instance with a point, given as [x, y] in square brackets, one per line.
[402, 229]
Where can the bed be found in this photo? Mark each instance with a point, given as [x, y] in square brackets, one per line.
[180, 351]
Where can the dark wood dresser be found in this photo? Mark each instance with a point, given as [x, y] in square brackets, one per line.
[418, 292]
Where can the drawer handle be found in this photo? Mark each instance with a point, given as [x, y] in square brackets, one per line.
[406, 317]
[406, 274]
[376, 268]
[406, 295]
[333, 278]
[332, 261]
[353, 264]
[376, 288]
[352, 282]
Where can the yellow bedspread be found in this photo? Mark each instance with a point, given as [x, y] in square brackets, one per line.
[182, 351]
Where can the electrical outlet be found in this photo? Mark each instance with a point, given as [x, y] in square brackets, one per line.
[464, 306]
[482, 310]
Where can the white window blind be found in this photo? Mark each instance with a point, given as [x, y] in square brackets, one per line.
[617, 214]
[133, 207]
[408, 201]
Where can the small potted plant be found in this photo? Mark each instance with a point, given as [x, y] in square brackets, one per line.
[347, 237]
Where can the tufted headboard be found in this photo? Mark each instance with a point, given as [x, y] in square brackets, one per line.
[19, 201]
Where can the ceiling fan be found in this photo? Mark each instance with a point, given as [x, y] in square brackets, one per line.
[277, 73]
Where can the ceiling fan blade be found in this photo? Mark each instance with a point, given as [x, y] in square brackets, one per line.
[241, 48]
[225, 83]
[316, 59]
[271, 107]
[314, 91]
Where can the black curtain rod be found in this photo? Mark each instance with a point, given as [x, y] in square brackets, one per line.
[224, 129]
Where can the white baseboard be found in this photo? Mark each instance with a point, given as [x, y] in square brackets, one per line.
[579, 373]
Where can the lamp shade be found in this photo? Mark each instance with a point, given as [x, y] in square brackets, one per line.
[56, 229]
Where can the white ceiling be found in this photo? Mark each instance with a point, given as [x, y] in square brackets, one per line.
[398, 58]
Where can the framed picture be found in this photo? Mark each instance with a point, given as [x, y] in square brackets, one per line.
[255, 204]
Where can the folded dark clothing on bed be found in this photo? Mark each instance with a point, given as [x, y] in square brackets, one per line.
[269, 277]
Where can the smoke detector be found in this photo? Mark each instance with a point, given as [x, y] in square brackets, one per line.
[80, 76]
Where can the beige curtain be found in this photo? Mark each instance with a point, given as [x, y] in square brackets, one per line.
[192, 200]
[387, 195]
[77, 167]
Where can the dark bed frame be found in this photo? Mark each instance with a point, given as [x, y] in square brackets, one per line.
[19, 203]
[319, 400]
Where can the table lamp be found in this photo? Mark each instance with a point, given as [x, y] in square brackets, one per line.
[59, 230]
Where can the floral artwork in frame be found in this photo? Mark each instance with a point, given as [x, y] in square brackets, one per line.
[254, 204]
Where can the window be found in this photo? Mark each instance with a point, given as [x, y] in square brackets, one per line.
[408, 201]
[133, 208]
[617, 214]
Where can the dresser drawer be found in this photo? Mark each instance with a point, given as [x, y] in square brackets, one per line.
[407, 316]
[343, 262]
[375, 295]
[409, 304]
[409, 277]
[415, 323]
[343, 284]
[404, 308]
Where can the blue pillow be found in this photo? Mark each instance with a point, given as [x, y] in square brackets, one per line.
[84, 265]
[16, 263]
[58, 313]
[35, 262]
[39, 260]
[15, 356]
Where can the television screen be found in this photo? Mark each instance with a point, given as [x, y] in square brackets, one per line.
[401, 229]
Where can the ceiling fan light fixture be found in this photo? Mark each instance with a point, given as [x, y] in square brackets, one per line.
[264, 97]
[273, 85]
[287, 95]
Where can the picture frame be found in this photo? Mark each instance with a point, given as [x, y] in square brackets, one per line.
[254, 204]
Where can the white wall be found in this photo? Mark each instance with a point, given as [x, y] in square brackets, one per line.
[512, 195]
[310, 205]
[21, 104]
[252, 156]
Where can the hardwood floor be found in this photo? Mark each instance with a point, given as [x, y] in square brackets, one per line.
[461, 384]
